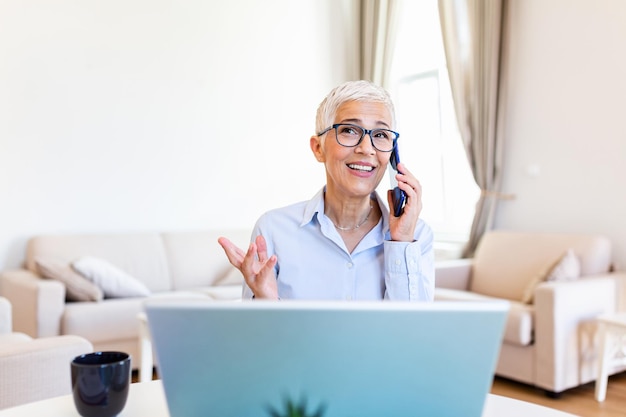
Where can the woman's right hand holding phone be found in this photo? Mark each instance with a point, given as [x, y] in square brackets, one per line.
[403, 228]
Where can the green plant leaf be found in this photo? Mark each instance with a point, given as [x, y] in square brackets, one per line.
[293, 409]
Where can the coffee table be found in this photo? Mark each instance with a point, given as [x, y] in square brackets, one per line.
[612, 333]
[148, 399]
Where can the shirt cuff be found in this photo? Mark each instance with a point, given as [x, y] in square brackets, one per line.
[402, 264]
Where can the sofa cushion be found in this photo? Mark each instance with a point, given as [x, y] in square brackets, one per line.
[520, 324]
[519, 327]
[114, 318]
[197, 260]
[114, 282]
[77, 287]
[141, 255]
[111, 319]
[221, 292]
[505, 262]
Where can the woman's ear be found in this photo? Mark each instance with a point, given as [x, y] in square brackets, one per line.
[317, 148]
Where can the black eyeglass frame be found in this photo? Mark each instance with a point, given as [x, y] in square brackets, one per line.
[365, 132]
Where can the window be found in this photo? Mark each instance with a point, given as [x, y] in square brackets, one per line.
[430, 142]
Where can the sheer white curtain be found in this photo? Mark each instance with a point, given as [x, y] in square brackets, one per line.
[473, 40]
[377, 20]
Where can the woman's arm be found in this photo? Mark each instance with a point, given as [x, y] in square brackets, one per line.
[410, 267]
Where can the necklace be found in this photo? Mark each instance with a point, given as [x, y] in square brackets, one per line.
[347, 229]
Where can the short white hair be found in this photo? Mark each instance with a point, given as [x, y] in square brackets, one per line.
[361, 90]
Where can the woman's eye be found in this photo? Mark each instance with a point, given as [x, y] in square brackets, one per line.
[349, 131]
[381, 134]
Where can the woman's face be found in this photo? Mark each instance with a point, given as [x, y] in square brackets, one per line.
[356, 171]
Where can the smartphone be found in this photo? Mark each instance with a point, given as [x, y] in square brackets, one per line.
[397, 195]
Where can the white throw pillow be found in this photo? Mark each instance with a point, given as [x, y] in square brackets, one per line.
[566, 268]
[114, 282]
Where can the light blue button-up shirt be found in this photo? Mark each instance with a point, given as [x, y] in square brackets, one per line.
[314, 263]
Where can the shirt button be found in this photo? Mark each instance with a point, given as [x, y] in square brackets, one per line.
[349, 264]
[349, 297]
[398, 261]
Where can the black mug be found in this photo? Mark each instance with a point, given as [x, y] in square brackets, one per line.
[100, 383]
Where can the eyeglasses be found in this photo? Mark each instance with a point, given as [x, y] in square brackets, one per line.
[349, 135]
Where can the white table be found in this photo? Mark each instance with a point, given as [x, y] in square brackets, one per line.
[612, 333]
[147, 399]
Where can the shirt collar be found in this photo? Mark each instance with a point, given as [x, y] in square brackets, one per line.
[316, 205]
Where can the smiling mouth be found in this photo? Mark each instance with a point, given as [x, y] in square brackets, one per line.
[362, 168]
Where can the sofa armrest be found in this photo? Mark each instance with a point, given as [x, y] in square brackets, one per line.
[560, 310]
[37, 303]
[621, 289]
[37, 369]
[453, 274]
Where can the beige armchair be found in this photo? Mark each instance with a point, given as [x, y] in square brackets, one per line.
[34, 369]
[557, 285]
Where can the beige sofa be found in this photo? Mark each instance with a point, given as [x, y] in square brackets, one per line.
[176, 264]
[549, 340]
[34, 369]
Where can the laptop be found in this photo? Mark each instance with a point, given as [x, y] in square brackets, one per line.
[328, 359]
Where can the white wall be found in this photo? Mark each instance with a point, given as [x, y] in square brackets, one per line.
[127, 115]
[566, 119]
[130, 115]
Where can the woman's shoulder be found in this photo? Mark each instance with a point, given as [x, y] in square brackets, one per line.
[295, 211]
[283, 215]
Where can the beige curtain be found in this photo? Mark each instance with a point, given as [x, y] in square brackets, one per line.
[473, 38]
[376, 32]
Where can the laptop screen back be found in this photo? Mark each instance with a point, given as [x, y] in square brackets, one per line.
[345, 359]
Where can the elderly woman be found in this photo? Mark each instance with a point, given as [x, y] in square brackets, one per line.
[343, 244]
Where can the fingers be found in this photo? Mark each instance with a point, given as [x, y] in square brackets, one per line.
[255, 266]
[234, 254]
[266, 285]
[410, 185]
[403, 227]
[261, 248]
[406, 178]
[268, 267]
[256, 257]
[258, 270]
[248, 264]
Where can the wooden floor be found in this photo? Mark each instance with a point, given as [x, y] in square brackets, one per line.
[578, 401]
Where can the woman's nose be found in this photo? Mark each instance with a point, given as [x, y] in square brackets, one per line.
[367, 144]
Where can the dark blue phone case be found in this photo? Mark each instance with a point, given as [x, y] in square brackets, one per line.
[398, 196]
